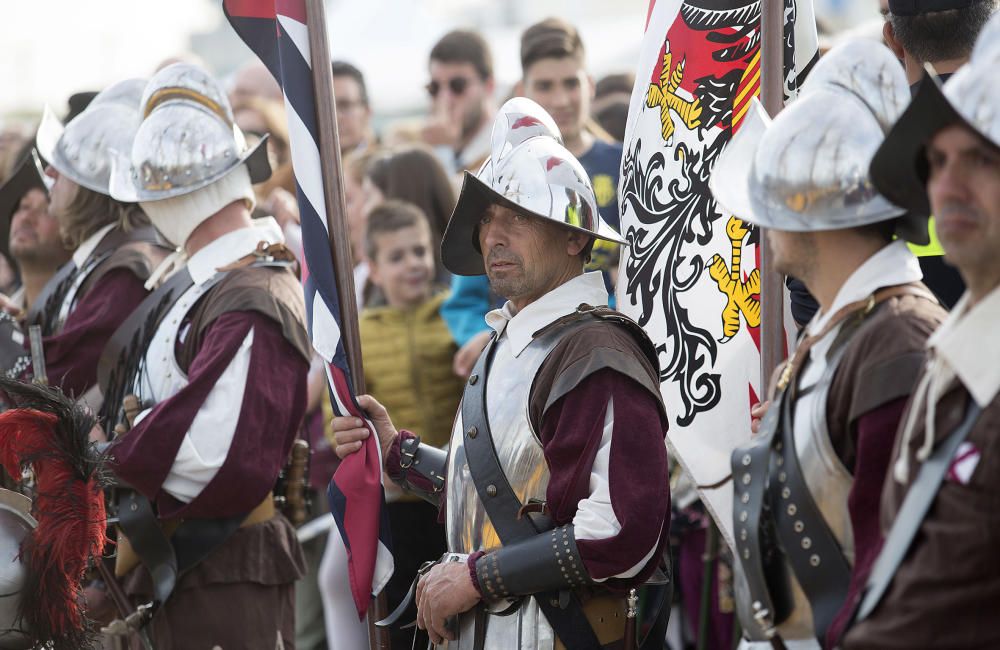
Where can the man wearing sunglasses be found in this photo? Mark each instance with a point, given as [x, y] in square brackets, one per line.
[354, 113]
[461, 92]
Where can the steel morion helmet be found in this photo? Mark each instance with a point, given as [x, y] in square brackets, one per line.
[188, 159]
[83, 149]
[808, 170]
[530, 171]
[187, 140]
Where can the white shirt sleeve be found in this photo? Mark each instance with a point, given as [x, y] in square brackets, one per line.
[206, 444]
[595, 518]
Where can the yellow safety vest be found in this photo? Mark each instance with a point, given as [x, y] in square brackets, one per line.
[928, 250]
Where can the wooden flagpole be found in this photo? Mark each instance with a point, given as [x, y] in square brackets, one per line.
[332, 169]
[336, 211]
[772, 291]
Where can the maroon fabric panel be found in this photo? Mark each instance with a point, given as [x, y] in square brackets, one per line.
[393, 456]
[71, 356]
[272, 410]
[876, 432]
[690, 574]
[638, 477]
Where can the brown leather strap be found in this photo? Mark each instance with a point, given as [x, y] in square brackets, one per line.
[127, 559]
[861, 309]
[264, 251]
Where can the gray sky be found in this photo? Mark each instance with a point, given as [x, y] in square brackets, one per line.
[52, 48]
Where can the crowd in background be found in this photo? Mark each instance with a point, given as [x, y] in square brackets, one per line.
[421, 329]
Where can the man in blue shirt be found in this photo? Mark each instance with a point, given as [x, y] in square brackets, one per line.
[554, 75]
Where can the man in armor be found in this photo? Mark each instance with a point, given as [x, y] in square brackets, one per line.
[114, 247]
[211, 370]
[554, 488]
[937, 579]
[806, 489]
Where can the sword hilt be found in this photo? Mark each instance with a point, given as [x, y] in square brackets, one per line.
[37, 355]
[298, 478]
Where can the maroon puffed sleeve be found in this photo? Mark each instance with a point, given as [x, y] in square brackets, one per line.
[273, 406]
[638, 478]
[71, 356]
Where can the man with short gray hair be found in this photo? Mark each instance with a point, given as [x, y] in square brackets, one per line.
[555, 486]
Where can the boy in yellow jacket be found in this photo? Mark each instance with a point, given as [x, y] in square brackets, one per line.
[407, 352]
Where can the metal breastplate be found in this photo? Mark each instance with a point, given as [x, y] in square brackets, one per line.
[517, 446]
[469, 529]
[828, 480]
[829, 484]
[162, 377]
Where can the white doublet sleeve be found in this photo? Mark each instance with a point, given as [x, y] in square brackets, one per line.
[206, 444]
[595, 517]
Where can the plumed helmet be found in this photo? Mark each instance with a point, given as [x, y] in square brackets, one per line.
[187, 139]
[529, 171]
[84, 148]
[808, 169]
[970, 98]
[16, 524]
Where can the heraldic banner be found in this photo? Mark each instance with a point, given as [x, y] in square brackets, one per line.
[690, 275]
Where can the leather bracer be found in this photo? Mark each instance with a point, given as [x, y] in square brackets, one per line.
[550, 561]
[422, 468]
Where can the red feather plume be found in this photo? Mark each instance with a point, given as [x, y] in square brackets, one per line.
[49, 433]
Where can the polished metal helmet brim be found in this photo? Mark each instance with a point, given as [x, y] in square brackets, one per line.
[82, 150]
[987, 47]
[188, 139]
[970, 98]
[730, 179]
[460, 251]
[810, 171]
[529, 171]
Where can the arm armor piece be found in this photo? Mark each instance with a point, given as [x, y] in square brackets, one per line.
[422, 468]
[549, 561]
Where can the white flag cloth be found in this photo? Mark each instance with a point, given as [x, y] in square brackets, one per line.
[689, 276]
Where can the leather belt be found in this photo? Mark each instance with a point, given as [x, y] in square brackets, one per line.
[127, 559]
[819, 563]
